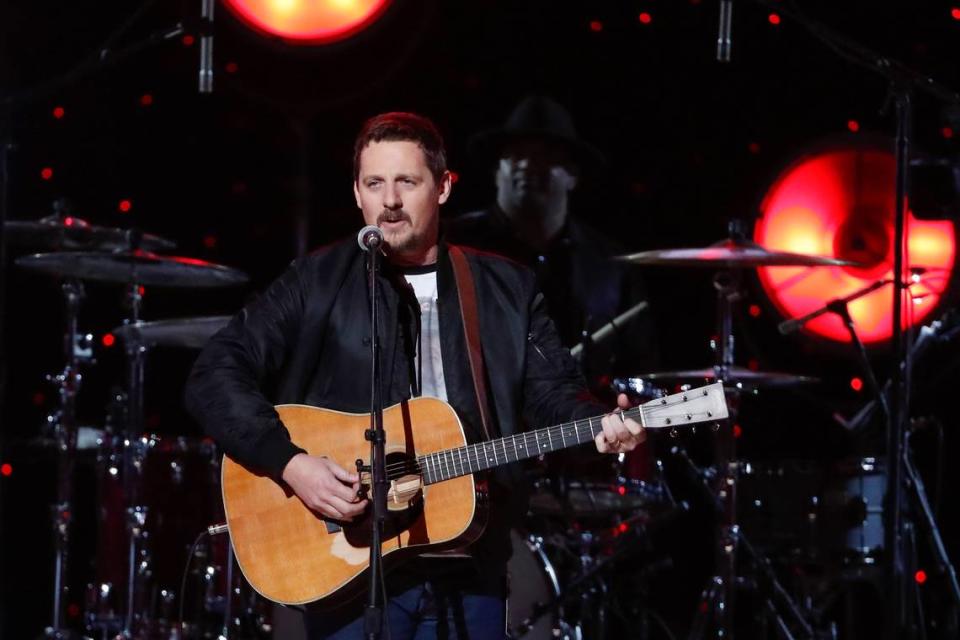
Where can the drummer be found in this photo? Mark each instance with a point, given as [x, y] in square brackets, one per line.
[538, 160]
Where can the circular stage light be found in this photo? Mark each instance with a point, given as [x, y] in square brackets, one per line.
[839, 202]
[309, 22]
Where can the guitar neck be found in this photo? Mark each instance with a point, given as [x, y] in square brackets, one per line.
[697, 405]
[452, 463]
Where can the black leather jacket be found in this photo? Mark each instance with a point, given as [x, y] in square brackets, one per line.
[306, 340]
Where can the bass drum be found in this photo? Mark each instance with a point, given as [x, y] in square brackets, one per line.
[534, 587]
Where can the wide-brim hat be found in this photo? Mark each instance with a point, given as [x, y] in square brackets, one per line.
[536, 117]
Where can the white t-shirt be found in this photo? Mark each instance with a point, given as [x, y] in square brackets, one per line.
[425, 287]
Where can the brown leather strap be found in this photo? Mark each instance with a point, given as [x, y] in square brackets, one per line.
[471, 329]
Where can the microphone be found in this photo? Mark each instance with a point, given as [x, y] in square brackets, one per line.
[206, 46]
[724, 40]
[370, 237]
[217, 529]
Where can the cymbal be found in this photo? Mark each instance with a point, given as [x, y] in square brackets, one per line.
[735, 375]
[731, 254]
[55, 233]
[191, 333]
[140, 267]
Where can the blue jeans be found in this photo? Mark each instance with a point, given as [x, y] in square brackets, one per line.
[444, 608]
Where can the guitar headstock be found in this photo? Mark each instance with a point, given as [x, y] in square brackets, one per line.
[703, 404]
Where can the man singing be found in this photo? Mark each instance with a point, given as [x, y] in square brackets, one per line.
[306, 340]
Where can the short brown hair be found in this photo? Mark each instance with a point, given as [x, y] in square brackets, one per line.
[400, 125]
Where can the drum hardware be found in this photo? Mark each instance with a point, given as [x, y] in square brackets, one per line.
[779, 604]
[135, 266]
[190, 333]
[733, 253]
[63, 423]
[738, 377]
[60, 231]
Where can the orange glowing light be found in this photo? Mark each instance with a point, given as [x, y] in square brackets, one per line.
[839, 203]
[304, 22]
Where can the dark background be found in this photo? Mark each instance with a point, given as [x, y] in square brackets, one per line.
[231, 177]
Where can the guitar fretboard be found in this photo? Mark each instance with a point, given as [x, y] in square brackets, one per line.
[452, 463]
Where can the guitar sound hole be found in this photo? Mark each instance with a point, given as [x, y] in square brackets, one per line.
[401, 468]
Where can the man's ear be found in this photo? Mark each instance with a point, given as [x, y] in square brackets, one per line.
[446, 186]
[356, 193]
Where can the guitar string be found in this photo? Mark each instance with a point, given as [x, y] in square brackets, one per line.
[550, 432]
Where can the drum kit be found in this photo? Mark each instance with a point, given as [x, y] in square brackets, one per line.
[153, 493]
[811, 517]
[152, 490]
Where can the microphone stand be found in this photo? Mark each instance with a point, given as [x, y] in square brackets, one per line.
[373, 614]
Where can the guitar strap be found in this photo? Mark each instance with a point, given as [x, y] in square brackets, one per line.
[471, 330]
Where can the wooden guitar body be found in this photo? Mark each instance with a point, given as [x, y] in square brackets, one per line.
[291, 555]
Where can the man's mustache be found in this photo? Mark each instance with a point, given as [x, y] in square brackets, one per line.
[392, 216]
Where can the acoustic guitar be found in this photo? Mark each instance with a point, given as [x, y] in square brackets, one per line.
[292, 555]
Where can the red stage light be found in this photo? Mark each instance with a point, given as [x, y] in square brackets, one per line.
[300, 22]
[737, 431]
[108, 339]
[596, 26]
[955, 13]
[125, 206]
[754, 310]
[146, 99]
[58, 112]
[774, 18]
[920, 576]
[210, 241]
[46, 173]
[946, 132]
[838, 202]
[39, 399]
[188, 40]
[645, 18]
[6, 469]
[856, 384]
[232, 67]
[853, 125]
[753, 147]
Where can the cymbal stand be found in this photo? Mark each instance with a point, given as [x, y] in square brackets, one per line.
[717, 601]
[63, 421]
[134, 453]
